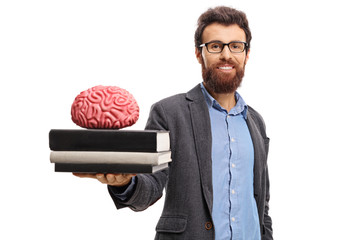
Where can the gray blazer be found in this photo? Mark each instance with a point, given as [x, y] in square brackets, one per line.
[188, 181]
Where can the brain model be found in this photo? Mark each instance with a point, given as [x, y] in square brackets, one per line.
[105, 107]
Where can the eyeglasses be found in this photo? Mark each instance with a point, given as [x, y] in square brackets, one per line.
[217, 46]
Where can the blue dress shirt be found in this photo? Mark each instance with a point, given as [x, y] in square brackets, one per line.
[234, 210]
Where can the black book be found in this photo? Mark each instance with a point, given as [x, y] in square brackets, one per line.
[108, 168]
[109, 140]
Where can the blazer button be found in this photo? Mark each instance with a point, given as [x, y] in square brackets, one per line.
[208, 225]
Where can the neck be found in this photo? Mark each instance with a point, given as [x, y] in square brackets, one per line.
[226, 100]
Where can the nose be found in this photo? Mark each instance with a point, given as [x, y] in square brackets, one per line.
[226, 53]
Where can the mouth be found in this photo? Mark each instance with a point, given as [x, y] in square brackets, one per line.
[226, 67]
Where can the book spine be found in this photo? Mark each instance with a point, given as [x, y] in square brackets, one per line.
[106, 168]
[109, 157]
[82, 140]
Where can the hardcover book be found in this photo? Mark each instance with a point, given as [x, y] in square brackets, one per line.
[151, 158]
[108, 168]
[109, 140]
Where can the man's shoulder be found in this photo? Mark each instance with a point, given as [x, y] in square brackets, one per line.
[256, 116]
[172, 100]
[253, 112]
[182, 98]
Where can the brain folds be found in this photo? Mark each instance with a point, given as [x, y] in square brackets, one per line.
[105, 107]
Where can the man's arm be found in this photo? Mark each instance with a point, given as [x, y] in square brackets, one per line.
[149, 187]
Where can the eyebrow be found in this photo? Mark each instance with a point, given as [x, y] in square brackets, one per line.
[215, 41]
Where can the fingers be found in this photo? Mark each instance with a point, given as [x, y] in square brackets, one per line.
[101, 177]
[85, 175]
[119, 179]
[110, 178]
[123, 179]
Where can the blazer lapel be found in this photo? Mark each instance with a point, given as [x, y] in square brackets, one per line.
[200, 121]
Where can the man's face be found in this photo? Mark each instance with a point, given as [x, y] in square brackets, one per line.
[222, 72]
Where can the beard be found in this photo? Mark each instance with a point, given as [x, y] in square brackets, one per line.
[219, 82]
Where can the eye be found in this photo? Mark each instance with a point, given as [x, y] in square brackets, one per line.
[215, 46]
[237, 46]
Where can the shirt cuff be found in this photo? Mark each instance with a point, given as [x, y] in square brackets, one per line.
[124, 193]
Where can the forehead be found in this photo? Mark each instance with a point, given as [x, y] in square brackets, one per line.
[219, 32]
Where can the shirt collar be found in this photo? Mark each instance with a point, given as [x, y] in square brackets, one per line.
[239, 108]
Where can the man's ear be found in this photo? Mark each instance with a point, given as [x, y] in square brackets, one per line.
[247, 55]
[198, 55]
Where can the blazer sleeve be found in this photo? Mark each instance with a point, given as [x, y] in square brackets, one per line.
[149, 187]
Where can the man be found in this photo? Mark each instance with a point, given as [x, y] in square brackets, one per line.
[217, 186]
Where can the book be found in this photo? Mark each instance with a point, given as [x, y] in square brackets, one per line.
[108, 168]
[151, 158]
[109, 140]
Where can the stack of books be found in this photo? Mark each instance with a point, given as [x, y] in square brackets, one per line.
[109, 151]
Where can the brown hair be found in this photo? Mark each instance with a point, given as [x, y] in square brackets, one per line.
[222, 15]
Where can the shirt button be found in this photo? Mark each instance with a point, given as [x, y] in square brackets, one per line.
[233, 165]
[233, 191]
[233, 140]
[233, 219]
[208, 225]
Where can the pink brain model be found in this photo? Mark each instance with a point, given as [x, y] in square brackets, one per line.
[104, 107]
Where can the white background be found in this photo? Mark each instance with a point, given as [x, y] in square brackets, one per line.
[302, 76]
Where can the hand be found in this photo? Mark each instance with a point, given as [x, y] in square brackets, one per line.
[112, 179]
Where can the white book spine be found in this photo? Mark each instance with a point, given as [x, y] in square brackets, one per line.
[110, 157]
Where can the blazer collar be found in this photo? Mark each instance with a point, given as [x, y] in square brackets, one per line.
[195, 94]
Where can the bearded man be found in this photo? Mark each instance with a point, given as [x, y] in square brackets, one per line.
[217, 186]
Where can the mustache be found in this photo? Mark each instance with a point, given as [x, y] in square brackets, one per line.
[223, 62]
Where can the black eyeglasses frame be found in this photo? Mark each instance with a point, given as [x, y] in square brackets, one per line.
[224, 44]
